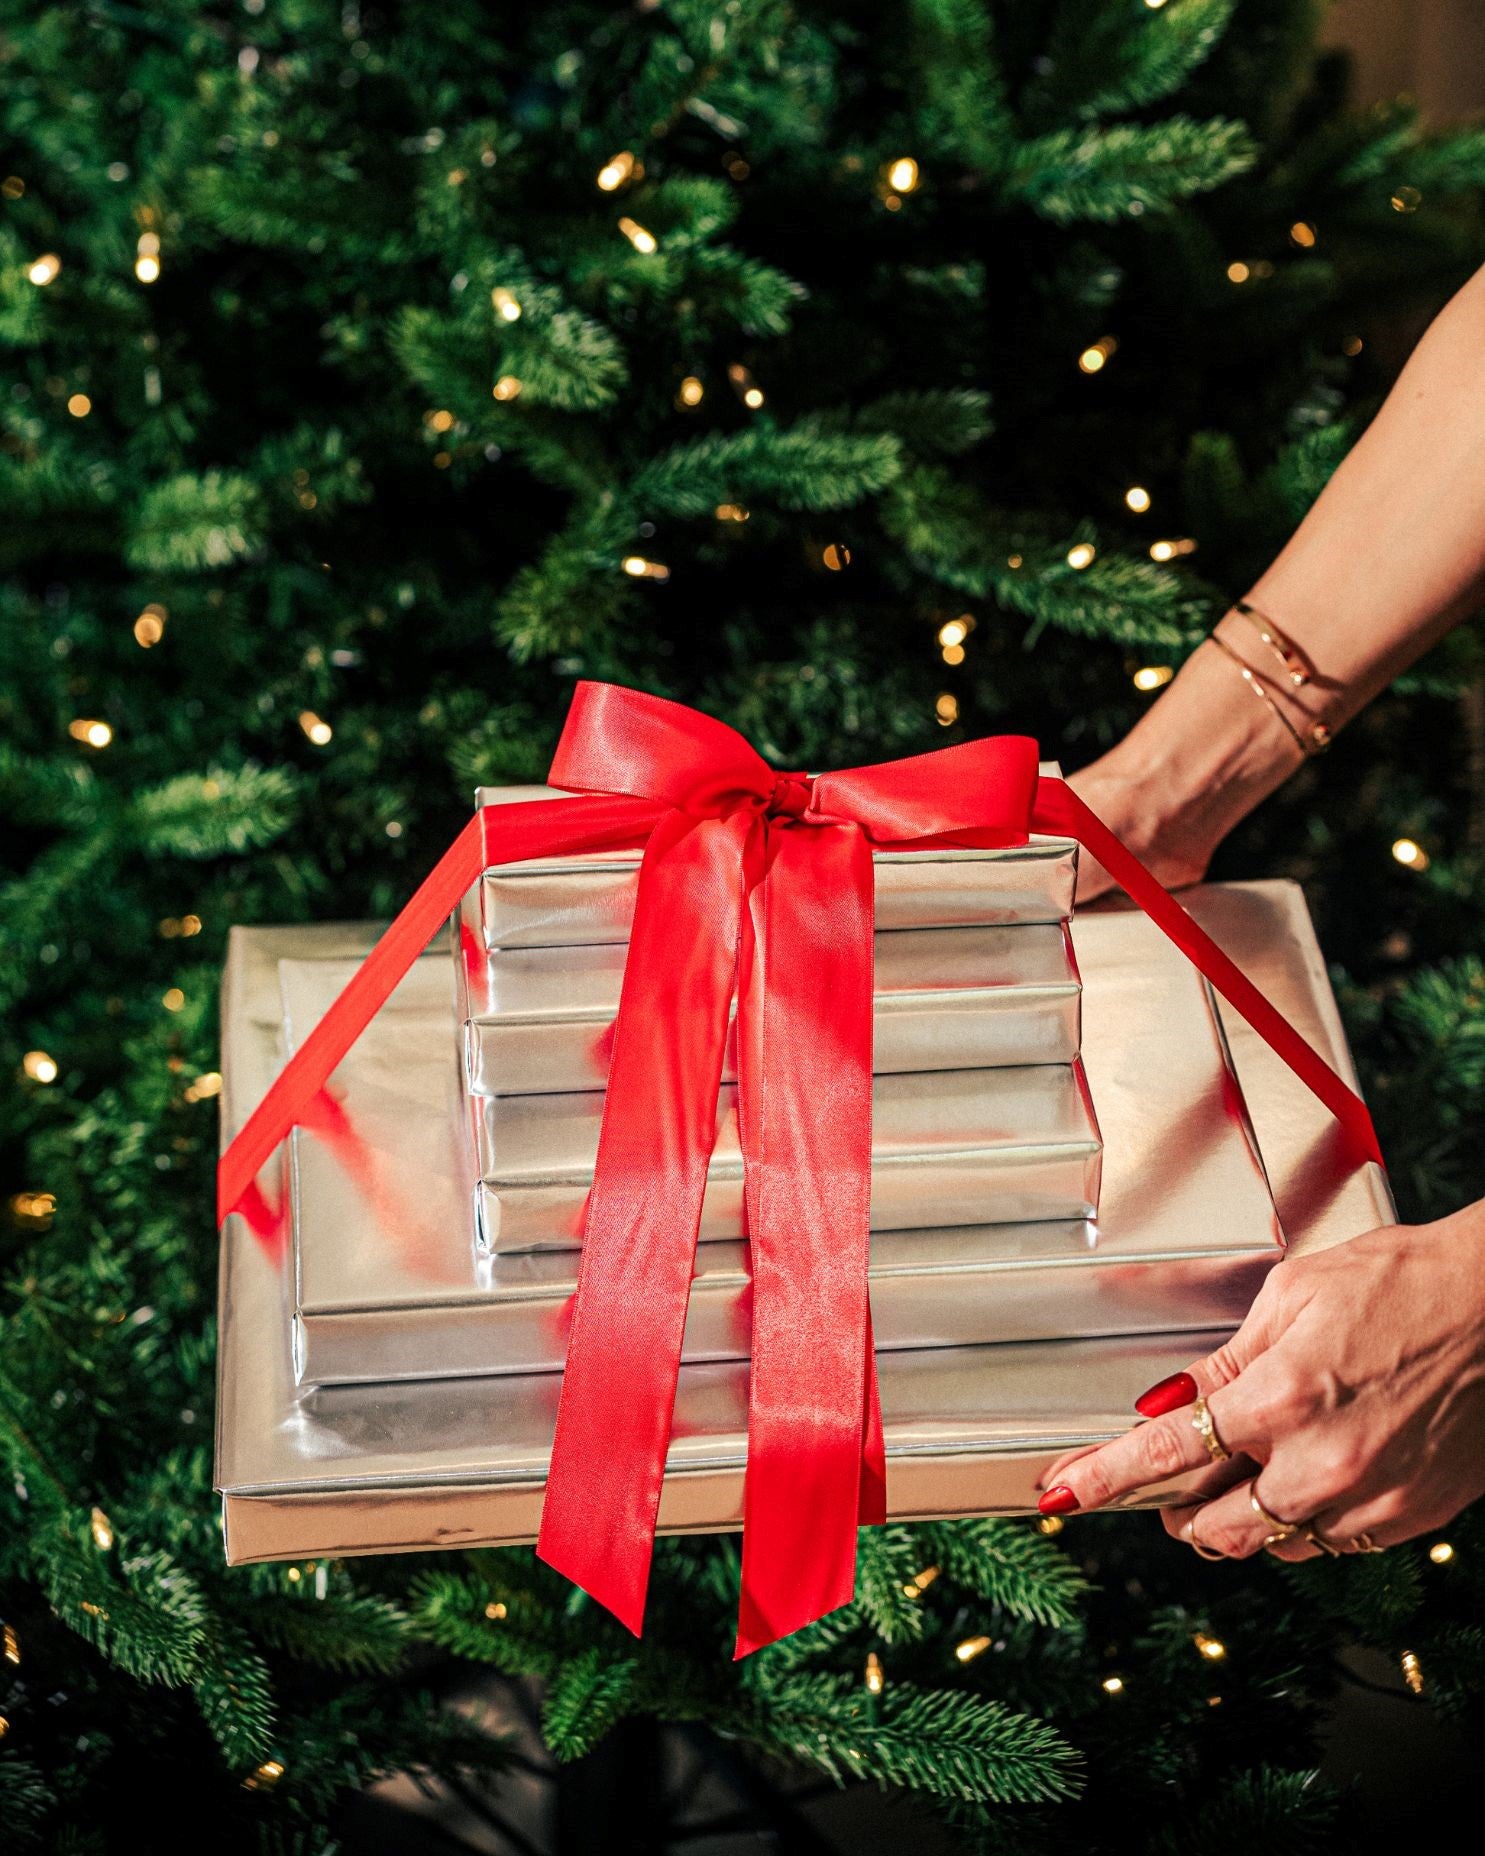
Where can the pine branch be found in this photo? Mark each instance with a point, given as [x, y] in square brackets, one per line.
[1129, 169]
[888, 1559]
[1012, 1566]
[213, 814]
[235, 1694]
[353, 1631]
[960, 93]
[940, 1741]
[1106, 61]
[585, 1698]
[192, 523]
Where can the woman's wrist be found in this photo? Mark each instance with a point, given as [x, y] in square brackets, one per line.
[1206, 751]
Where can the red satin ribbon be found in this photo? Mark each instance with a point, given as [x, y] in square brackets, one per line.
[756, 884]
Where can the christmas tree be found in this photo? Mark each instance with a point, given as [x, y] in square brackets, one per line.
[870, 375]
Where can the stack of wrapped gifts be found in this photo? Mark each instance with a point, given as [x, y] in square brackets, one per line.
[1068, 1198]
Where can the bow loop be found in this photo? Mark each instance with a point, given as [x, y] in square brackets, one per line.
[793, 796]
[985, 788]
[627, 741]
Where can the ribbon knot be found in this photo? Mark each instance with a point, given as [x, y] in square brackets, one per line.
[792, 797]
[785, 922]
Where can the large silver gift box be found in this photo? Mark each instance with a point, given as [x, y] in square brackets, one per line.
[946, 999]
[588, 897]
[336, 1469]
[386, 1291]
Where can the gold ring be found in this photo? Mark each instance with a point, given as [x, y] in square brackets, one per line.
[1317, 1539]
[1203, 1422]
[1279, 1530]
[1363, 1543]
[1206, 1553]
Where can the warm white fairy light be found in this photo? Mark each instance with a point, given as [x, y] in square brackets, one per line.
[1212, 1648]
[1113, 1685]
[149, 627]
[506, 304]
[315, 727]
[102, 1529]
[79, 405]
[971, 1648]
[616, 170]
[955, 631]
[1152, 676]
[1098, 354]
[1412, 1671]
[45, 269]
[1441, 1553]
[690, 392]
[1137, 498]
[1410, 854]
[1238, 272]
[1171, 548]
[96, 734]
[903, 174]
[638, 568]
[638, 236]
[174, 1000]
[506, 388]
[40, 1066]
[1082, 554]
[836, 556]
[147, 259]
[873, 1675]
[1303, 234]
[947, 710]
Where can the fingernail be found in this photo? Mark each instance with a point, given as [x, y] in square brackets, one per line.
[1060, 1500]
[1166, 1395]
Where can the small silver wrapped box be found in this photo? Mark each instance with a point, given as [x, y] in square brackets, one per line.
[398, 1466]
[539, 1020]
[587, 898]
[388, 1285]
[947, 1147]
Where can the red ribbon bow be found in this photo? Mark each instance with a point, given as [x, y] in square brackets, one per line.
[760, 884]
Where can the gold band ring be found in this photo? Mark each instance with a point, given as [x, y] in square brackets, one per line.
[1203, 1423]
[1206, 1553]
[1363, 1543]
[1278, 1530]
[1317, 1539]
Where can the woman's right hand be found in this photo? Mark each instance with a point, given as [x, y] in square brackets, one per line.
[1195, 764]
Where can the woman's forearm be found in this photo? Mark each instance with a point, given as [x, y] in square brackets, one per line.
[1389, 558]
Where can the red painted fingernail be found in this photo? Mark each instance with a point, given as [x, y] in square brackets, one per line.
[1060, 1500]
[1166, 1395]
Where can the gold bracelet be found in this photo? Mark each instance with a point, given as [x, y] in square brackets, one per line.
[1287, 652]
[1316, 737]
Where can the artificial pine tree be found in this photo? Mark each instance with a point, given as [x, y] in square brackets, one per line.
[872, 375]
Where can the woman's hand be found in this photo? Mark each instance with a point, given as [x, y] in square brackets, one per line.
[1198, 760]
[1352, 1400]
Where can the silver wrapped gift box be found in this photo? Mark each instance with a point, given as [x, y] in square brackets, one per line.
[388, 1286]
[394, 1466]
[947, 1147]
[588, 897]
[946, 999]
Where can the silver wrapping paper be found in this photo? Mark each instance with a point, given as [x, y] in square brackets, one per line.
[394, 1467]
[946, 999]
[948, 1147]
[394, 1290]
[589, 897]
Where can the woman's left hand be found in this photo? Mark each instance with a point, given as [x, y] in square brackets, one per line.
[1352, 1400]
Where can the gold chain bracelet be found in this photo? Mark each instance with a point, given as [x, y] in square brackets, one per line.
[1316, 736]
[1285, 649]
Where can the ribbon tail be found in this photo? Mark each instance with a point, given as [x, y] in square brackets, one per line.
[812, 1413]
[639, 1249]
[535, 828]
[1058, 808]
